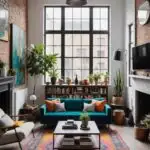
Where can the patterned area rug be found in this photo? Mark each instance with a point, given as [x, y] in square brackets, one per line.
[110, 140]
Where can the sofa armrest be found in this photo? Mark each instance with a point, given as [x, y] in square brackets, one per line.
[43, 109]
[108, 109]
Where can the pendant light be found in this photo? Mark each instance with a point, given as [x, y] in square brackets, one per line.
[76, 2]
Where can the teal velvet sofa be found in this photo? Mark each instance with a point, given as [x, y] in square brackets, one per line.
[74, 107]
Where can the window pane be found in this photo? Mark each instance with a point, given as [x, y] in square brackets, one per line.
[85, 24]
[85, 13]
[104, 51]
[68, 12]
[77, 13]
[76, 39]
[49, 24]
[77, 51]
[77, 63]
[96, 63]
[104, 63]
[49, 13]
[104, 39]
[85, 39]
[76, 24]
[58, 63]
[68, 51]
[85, 63]
[104, 24]
[49, 39]
[97, 51]
[68, 24]
[96, 24]
[68, 63]
[68, 73]
[85, 74]
[57, 50]
[78, 73]
[57, 39]
[68, 39]
[104, 12]
[85, 51]
[96, 39]
[96, 71]
[49, 50]
[96, 13]
[57, 24]
[57, 13]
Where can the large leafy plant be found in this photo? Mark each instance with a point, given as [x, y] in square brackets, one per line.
[118, 84]
[38, 62]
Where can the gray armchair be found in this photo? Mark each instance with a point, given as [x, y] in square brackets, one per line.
[13, 133]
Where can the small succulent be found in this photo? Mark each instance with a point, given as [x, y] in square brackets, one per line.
[11, 72]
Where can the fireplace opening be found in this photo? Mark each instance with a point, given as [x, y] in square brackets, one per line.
[142, 105]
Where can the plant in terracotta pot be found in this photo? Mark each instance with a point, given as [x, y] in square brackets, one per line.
[118, 89]
[84, 117]
[142, 129]
[54, 75]
[91, 78]
[68, 80]
[106, 78]
[96, 77]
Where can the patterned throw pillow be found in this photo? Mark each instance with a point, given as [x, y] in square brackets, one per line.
[60, 107]
[89, 107]
[99, 105]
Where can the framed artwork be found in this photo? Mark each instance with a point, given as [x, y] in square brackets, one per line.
[18, 53]
[3, 21]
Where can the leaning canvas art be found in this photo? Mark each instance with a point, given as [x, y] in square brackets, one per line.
[3, 21]
[18, 53]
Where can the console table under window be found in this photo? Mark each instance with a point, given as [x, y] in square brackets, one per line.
[75, 91]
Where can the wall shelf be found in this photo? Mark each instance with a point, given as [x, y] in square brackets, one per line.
[140, 77]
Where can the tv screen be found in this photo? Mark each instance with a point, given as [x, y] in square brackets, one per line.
[141, 56]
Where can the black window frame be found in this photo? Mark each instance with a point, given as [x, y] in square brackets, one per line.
[91, 32]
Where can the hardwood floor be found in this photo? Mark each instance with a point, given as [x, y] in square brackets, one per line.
[127, 134]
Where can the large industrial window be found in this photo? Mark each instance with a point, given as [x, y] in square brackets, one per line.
[80, 37]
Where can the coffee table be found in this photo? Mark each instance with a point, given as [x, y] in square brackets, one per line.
[59, 134]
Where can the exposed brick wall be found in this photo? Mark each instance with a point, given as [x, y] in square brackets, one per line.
[17, 15]
[143, 32]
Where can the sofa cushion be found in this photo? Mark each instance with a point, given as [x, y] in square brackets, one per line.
[6, 121]
[99, 105]
[60, 107]
[89, 107]
[74, 105]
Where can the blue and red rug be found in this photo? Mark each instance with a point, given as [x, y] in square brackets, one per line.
[110, 140]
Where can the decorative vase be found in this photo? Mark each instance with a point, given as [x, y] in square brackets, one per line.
[53, 80]
[84, 124]
[117, 100]
[3, 72]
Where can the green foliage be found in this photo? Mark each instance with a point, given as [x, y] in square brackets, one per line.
[11, 72]
[91, 79]
[96, 76]
[84, 117]
[2, 64]
[53, 72]
[118, 84]
[146, 121]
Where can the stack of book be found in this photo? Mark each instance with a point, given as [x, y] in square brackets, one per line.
[69, 124]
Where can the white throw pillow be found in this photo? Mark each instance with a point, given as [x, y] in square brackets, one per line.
[89, 107]
[60, 107]
[6, 121]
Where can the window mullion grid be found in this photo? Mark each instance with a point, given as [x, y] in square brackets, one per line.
[91, 42]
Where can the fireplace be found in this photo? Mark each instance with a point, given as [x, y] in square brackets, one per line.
[142, 105]
[6, 90]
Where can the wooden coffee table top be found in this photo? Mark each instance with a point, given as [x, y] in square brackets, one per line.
[93, 129]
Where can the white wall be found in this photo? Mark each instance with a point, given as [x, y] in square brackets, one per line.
[129, 18]
[35, 28]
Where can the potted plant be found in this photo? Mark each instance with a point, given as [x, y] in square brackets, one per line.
[118, 89]
[96, 77]
[54, 75]
[2, 68]
[106, 78]
[84, 117]
[142, 129]
[11, 72]
[91, 78]
[38, 63]
[68, 80]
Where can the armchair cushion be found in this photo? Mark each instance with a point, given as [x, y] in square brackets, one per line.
[6, 121]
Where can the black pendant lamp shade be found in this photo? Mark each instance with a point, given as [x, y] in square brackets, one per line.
[118, 55]
[76, 2]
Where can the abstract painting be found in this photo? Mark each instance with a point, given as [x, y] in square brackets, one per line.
[3, 21]
[18, 53]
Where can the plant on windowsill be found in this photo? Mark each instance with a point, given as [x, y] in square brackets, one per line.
[11, 72]
[142, 130]
[106, 78]
[68, 80]
[96, 77]
[118, 89]
[2, 68]
[53, 73]
[91, 78]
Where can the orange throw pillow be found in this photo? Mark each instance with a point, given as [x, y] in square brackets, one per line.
[51, 105]
[99, 105]
[18, 123]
